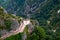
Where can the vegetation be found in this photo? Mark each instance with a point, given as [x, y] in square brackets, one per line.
[8, 24]
[37, 34]
[6, 19]
[47, 16]
[15, 37]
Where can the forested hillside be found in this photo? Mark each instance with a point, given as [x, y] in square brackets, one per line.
[44, 15]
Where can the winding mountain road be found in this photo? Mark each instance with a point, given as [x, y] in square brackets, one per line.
[19, 30]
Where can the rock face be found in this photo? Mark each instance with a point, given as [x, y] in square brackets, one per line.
[30, 28]
[9, 24]
[1, 22]
[15, 24]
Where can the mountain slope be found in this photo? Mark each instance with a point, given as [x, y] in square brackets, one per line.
[7, 22]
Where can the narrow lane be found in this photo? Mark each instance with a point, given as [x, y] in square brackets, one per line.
[19, 30]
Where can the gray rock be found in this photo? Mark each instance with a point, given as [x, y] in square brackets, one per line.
[15, 24]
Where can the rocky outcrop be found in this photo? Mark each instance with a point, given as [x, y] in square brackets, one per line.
[15, 24]
[19, 29]
[9, 24]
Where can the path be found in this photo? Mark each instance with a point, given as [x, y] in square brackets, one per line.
[19, 30]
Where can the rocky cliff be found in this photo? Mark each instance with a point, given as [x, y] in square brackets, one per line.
[8, 22]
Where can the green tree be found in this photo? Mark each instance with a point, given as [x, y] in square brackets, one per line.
[38, 34]
[15, 37]
[58, 38]
[8, 24]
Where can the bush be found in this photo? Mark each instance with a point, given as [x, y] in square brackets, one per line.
[37, 34]
[8, 24]
[15, 37]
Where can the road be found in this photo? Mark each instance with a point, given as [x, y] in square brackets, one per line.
[19, 30]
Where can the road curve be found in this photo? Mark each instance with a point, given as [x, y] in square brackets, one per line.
[19, 30]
